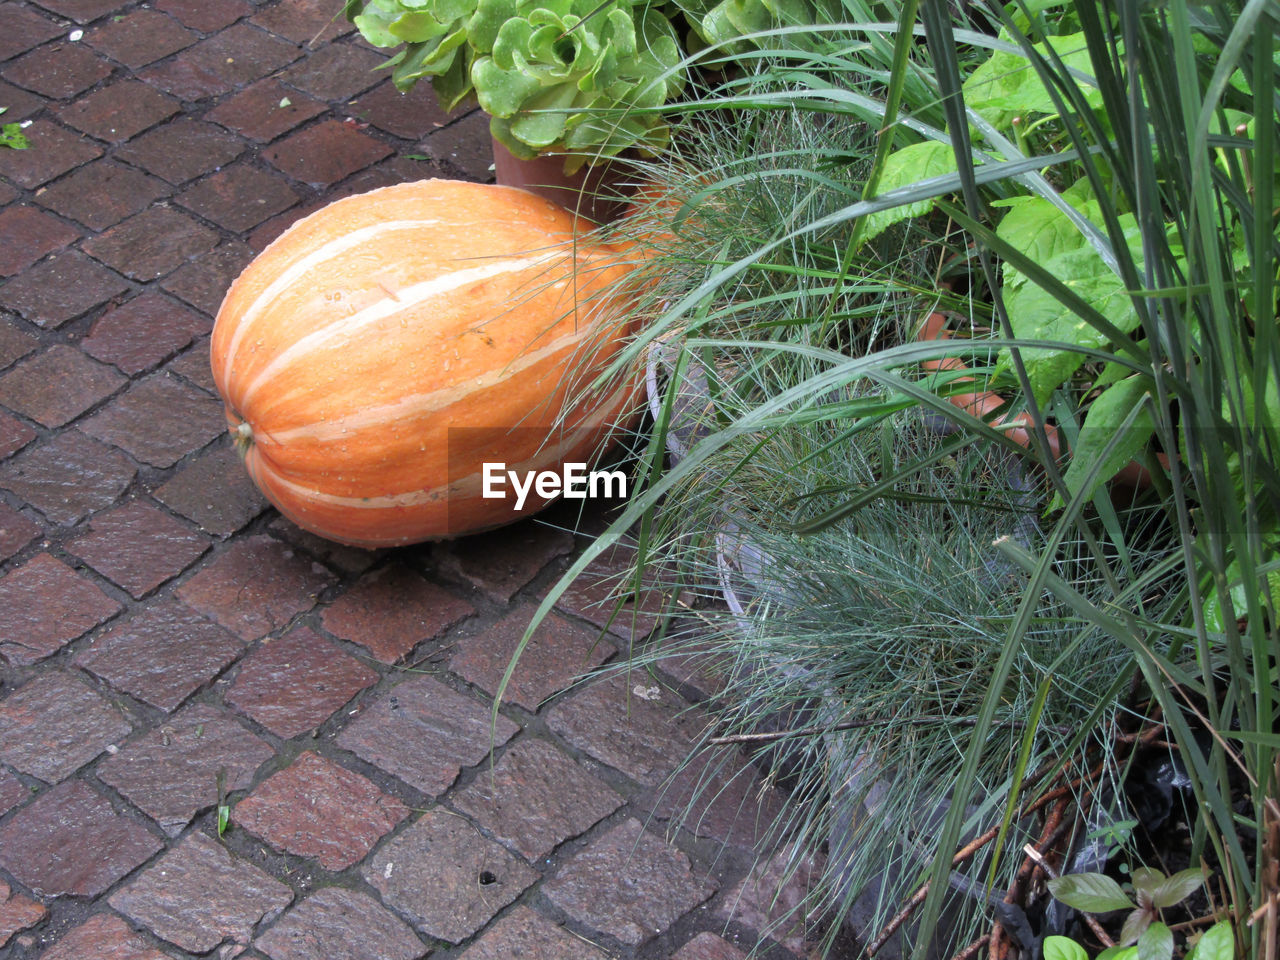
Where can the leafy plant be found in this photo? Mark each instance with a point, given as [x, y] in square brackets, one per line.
[581, 77]
[1152, 891]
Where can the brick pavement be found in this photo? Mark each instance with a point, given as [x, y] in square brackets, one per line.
[169, 644]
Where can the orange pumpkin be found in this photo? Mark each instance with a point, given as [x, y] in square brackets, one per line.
[384, 348]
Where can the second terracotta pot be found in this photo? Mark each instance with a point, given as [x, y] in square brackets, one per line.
[596, 191]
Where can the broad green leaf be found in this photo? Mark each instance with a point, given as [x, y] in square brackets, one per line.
[1156, 943]
[1213, 618]
[1006, 85]
[1118, 953]
[1177, 888]
[1090, 892]
[1216, 943]
[1063, 948]
[1039, 227]
[1106, 415]
[913, 163]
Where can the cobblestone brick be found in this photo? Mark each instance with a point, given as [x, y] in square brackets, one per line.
[12, 791]
[217, 65]
[502, 562]
[718, 795]
[162, 654]
[171, 774]
[325, 153]
[294, 683]
[523, 933]
[138, 547]
[771, 899]
[350, 560]
[104, 936]
[707, 946]
[628, 884]
[447, 878]
[214, 491]
[22, 28]
[318, 809]
[336, 72]
[22, 105]
[339, 924]
[27, 234]
[630, 724]
[424, 733]
[205, 15]
[68, 477]
[199, 896]
[535, 798]
[151, 244]
[14, 343]
[54, 724]
[55, 387]
[81, 11]
[16, 531]
[593, 596]
[255, 586]
[61, 288]
[17, 913]
[239, 197]
[119, 111]
[411, 115]
[204, 282]
[311, 22]
[70, 842]
[140, 37]
[14, 435]
[558, 653]
[45, 605]
[392, 610]
[256, 111]
[182, 150]
[193, 365]
[159, 420]
[102, 194]
[59, 70]
[464, 146]
[54, 150]
[141, 333]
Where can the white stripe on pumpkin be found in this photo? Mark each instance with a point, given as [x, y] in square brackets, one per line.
[389, 306]
[469, 484]
[297, 271]
[419, 404]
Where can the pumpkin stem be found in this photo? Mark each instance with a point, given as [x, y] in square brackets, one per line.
[243, 437]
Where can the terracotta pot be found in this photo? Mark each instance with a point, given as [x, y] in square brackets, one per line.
[1132, 476]
[596, 191]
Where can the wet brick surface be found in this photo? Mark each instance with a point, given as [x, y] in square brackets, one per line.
[171, 647]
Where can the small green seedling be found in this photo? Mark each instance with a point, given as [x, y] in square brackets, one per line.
[1144, 935]
[224, 808]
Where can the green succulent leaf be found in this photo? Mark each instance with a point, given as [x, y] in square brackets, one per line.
[1090, 892]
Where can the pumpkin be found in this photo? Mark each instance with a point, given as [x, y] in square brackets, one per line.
[383, 349]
